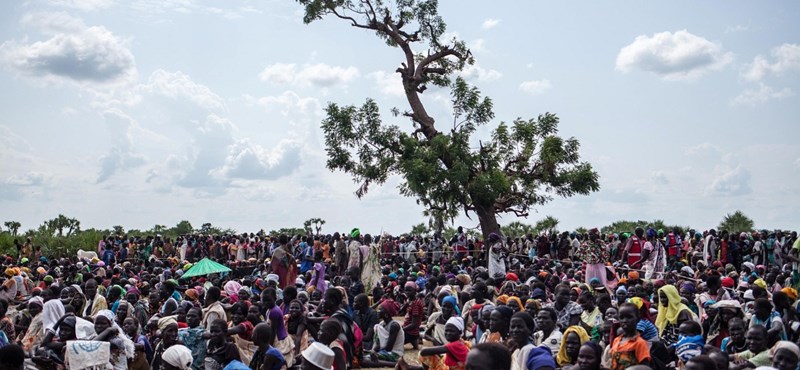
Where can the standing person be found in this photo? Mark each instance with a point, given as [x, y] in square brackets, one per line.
[340, 254]
[710, 247]
[498, 253]
[307, 255]
[653, 259]
[674, 246]
[633, 248]
[595, 255]
[460, 244]
[283, 263]
[354, 250]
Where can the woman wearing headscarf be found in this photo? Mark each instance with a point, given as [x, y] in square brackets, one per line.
[283, 263]
[177, 357]
[515, 303]
[106, 329]
[671, 313]
[9, 289]
[232, 290]
[168, 327]
[434, 330]
[35, 331]
[23, 322]
[571, 341]
[717, 329]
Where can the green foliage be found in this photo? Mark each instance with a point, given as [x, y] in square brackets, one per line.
[13, 227]
[736, 222]
[547, 225]
[183, 228]
[316, 223]
[517, 229]
[627, 226]
[420, 229]
[290, 231]
[520, 166]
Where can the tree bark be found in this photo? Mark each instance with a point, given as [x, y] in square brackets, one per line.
[487, 219]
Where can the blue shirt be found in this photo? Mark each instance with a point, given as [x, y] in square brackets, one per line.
[308, 259]
[274, 352]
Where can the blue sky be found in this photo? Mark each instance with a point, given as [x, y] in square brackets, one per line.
[142, 112]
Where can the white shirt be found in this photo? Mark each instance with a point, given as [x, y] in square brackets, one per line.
[553, 341]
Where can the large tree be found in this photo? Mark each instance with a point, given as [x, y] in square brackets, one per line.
[736, 222]
[522, 164]
[13, 227]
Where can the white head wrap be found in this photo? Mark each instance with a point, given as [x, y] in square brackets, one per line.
[457, 321]
[128, 344]
[787, 345]
[52, 311]
[179, 356]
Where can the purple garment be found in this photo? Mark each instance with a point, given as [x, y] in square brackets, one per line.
[318, 281]
[276, 319]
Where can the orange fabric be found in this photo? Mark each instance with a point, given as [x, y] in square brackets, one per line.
[627, 352]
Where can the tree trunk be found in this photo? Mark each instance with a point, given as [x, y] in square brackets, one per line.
[488, 220]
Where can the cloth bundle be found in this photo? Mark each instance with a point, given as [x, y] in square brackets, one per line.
[87, 354]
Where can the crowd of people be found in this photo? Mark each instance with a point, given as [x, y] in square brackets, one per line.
[639, 299]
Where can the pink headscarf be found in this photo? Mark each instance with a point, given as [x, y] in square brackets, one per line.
[232, 289]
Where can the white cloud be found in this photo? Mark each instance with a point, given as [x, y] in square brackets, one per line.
[74, 52]
[290, 103]
[761, 95]
[737, 28]
[535, 86]
[659, 177]
[180, 85]
[701, 148]
[388, 83]
[787, 58]
[673, 56]
[121, 155]
[490, 23]
[731, 183]
[318, 74]
[53, 22]
[476, 72]
[85, 5]
[28, 179]
[478, 46]
[253, 162]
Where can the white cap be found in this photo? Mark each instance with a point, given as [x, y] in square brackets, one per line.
[319, 355]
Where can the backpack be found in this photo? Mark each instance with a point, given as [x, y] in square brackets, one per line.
[358, 335]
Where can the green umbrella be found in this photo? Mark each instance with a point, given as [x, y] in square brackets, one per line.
[205, 267]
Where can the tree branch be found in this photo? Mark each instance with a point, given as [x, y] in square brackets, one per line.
[447, 51]
[351, 19]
